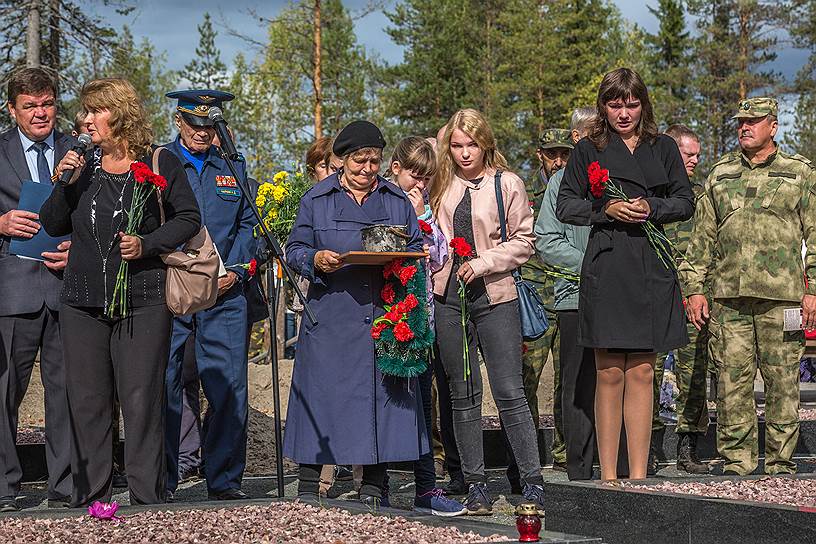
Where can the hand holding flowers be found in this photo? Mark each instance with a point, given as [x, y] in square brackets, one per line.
[627, 210]
[462, 251]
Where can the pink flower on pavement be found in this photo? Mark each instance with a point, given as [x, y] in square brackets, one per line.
[104, 510]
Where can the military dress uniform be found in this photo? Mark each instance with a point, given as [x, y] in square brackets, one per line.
[747, 240]
[221, 331]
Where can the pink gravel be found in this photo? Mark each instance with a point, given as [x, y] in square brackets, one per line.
[777, 490]
[278, 522]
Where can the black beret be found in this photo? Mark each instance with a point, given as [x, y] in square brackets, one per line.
[357, 135]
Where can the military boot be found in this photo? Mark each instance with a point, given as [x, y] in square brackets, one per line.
[651, 463]
[687, 459]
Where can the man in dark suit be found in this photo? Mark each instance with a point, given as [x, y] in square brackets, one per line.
[30, 289]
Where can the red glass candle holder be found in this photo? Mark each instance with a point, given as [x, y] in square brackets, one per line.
[528, 522]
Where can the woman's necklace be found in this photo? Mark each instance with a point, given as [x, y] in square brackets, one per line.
[118, 212]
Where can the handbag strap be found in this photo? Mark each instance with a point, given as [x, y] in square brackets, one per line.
[502, 218]
[158, 191]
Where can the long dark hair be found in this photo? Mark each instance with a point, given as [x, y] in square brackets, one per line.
[622, 84]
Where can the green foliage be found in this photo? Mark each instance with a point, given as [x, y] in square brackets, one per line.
[145, 69]
[205, 70]
[734, 43]
[670, 70]
[276, 92]
[802, 139]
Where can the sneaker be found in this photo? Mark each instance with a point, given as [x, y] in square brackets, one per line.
[478, 502]
[434, 502]
[534, 493]
[188, 474]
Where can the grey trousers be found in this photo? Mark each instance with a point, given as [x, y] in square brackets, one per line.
[497, 331]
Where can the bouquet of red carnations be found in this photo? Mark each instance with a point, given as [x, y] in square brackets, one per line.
[599, 182]
[145, 183]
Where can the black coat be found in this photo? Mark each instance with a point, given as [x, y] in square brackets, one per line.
[628, 298]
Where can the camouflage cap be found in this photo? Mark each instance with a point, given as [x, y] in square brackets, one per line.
[754, 108]
[555, 137]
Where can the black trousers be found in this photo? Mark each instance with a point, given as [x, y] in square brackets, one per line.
[129, 356]
[452, 463]
[21, 337]
[577, 398]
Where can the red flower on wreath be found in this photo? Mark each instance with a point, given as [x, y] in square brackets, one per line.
[393, 315]
[598, 178]
[392, 268]
[405, 274]
[411, 302]
[425, 227]
[387, 293]
[377, 329]
[461, 247]
[253, 267]
[402, 332]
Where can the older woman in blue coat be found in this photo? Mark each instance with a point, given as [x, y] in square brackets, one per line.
[342, 409]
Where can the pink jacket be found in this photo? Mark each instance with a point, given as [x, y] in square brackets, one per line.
[495, 259]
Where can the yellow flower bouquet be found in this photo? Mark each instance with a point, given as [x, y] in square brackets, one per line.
[278, 201]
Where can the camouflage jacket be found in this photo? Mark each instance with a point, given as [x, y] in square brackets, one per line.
[748, 230]
[680, 233]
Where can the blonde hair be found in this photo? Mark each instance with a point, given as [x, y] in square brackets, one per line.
[416, 155]
[128, 121]
[474, 124]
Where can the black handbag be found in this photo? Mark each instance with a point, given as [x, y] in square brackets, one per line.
[531, 310]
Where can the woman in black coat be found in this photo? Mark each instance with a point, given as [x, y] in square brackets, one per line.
[630, 305]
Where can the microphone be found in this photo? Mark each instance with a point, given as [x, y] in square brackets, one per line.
[82, 145]
[217, 117]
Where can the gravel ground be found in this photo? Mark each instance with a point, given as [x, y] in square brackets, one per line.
[278, 522]
[777, 490]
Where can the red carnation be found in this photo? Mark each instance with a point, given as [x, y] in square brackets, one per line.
[392, 268]
[377, 329]
[406, 273]
[411, 302]
[425, 227]
[159, 181]
[141, 172]
[393, 315]
[402, 332]
[387, 293]
[253, 267]
[598, 178]
[461, 247]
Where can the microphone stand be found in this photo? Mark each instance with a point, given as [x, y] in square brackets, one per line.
[273, 249]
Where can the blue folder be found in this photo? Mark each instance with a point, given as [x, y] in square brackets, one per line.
[32, 197]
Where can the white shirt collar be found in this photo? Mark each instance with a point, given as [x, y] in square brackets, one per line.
[27, 142]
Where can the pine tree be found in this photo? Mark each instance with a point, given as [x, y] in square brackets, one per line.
[734, 44]
[670, 67]
[802, 139]
[206, 70]
[275, 94]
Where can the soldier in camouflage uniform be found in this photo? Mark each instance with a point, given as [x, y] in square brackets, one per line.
[747, 240]
[553, 152]
[690, 361]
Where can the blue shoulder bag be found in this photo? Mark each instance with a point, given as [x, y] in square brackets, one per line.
[533, 316]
